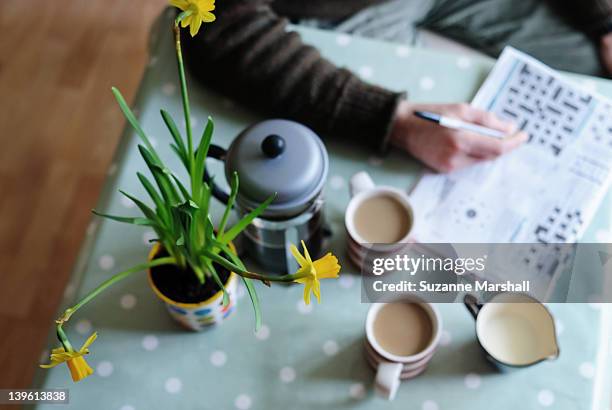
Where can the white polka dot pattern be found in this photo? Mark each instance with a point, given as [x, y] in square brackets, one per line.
[429, 405]
[150, 342]
[127, 301]
[330, 347]
[243, 402]
[218, 358]
[427, 83]
[343, 40]
[357, 391]
[104, 369]
[106, 262]
[173, 385]
[287, 374]
[546, 398]
[263, 333]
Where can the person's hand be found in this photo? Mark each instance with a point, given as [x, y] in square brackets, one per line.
[605, 51]
[445, 149]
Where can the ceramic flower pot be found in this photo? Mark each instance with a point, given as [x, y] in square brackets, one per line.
[200, 315]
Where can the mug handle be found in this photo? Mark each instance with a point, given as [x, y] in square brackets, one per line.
[388, 379]
[472, 305]
[360, 182]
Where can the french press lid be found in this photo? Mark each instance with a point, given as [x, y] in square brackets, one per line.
[282, 157]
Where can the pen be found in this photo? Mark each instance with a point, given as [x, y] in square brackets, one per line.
[458, 124]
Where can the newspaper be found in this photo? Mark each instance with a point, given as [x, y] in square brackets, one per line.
[545, 192]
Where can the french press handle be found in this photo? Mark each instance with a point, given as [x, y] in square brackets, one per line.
[218, 153]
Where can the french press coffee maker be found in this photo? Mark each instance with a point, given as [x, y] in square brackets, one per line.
[289, 159]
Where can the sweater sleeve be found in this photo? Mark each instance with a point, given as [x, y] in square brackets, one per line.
[593, 16]
[249, 55]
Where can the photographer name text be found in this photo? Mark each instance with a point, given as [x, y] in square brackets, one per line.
[425, 286]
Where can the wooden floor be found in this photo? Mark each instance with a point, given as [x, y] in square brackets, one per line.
[59, 126]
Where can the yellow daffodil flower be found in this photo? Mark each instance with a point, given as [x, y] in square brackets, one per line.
[79, 369]
[200, 13]
[326, 267]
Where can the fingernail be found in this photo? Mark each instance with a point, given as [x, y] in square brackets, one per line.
[522, 135]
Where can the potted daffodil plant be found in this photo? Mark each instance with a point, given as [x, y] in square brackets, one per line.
[193, 266]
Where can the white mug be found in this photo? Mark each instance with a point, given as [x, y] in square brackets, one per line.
[391, 368]
[361, 188]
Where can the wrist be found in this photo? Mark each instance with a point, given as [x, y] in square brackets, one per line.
[603, 30]
[400, 130]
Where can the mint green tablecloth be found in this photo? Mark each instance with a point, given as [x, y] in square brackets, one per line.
[304, 357]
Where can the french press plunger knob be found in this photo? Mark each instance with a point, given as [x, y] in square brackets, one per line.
[273, 145]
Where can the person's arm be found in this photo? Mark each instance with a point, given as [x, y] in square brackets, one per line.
[248, 54]
[445, 149]
[595, 18]
[606, 51]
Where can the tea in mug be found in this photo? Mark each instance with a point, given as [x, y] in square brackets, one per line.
[403, 328]
[382, 219]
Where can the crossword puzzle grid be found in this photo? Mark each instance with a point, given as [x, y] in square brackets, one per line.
[550, 111]
[558, 227]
